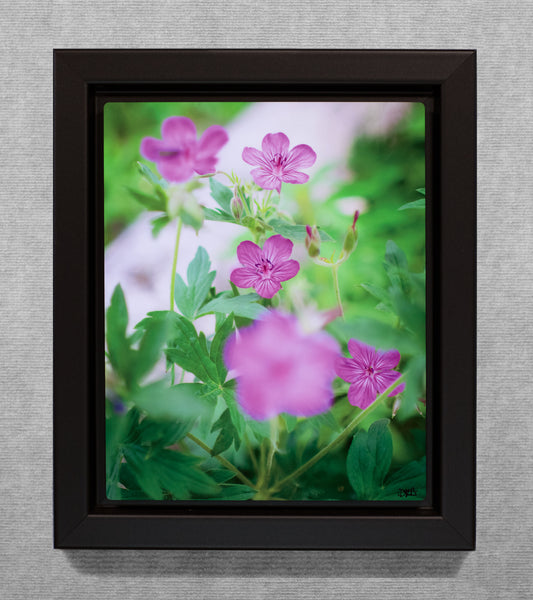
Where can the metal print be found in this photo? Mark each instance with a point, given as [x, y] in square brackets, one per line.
[265, 300]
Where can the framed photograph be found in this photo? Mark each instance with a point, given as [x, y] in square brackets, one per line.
[264, 310]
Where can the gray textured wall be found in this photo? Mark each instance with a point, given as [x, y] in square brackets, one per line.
[500, 32]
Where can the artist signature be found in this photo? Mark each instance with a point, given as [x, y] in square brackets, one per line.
[406, 492]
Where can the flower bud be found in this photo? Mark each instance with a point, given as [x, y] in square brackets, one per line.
[236, 207]
[396, 406]
[312, 241]
[350, 241]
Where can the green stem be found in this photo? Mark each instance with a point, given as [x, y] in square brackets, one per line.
[175, 264]
[338, 440]
[273, 447]
[222, 461]
[334, 271]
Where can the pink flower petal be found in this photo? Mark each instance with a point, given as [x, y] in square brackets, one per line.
[254, 157]
[277, 248]
[385, 379]
[281, 369]
[275, 143]
[205, 165]
[387, 360]
[211, 142]
[362, 393]
[266, 180]
[286, 270]
[347, 369]
[267, 288]
[150, 148]
[300, 156]
[294, 177]
[175, 169]
[249, 254]
[178, 130]
[244, 277]
[363, 354]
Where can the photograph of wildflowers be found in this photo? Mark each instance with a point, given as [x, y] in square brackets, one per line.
[265, 299]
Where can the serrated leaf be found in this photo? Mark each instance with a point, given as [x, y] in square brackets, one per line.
[228, 433]
[168, 471]
[218, 215]
[188, 352]
[150, 202]
[245, 305]
[189, 297]
[185, 347]
[396, 267]
[237, 417]
[296, 233]
[221, 194]
[377, 292]
[369, 459]
[217, 346]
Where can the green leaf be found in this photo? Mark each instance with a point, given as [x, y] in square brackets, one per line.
[408, 483]
[190, 297]
[160, 185]
[296, 233]
[420, 203]
[221, 194]
[150, 347]
[241, 306]
[217, 346]
[369, 459]
[415, 375]
[158, 224]
[149, 202]
[117, 344]
[168, 471]
[228, 433]
[237, 417]
[396, 267]
[182, 402]
[421, 191]
[379, 293]
[218, 215]
[188, 353]
[237, 491]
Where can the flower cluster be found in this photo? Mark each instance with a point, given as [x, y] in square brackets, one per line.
[278, 366]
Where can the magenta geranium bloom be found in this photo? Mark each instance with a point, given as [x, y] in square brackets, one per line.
[280, 368]
[370, 373]
[179, 154]
[277, 164]
[265, 269]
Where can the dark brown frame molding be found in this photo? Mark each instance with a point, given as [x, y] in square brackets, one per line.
[446, 82]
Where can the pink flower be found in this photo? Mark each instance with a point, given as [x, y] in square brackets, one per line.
[265, 269]
[179, 155]
[370, 372]
[277, 163]
[279, 368]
